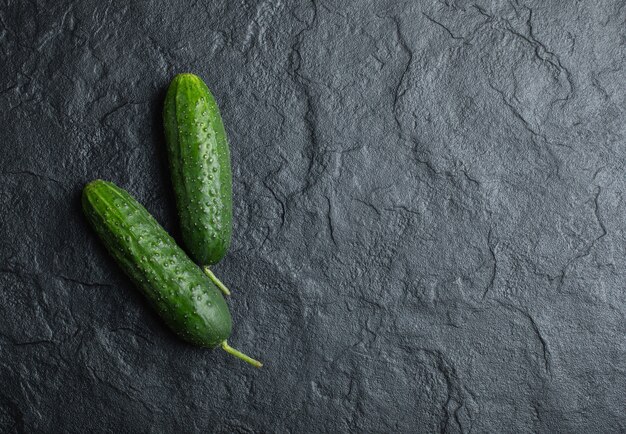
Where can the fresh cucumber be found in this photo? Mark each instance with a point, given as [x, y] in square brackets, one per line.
[200, 168]
[183, 296]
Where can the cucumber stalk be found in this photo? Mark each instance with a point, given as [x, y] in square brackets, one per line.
[240, 355]
[217, 281]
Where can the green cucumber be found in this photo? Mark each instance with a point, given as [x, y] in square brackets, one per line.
[183, 296]
[200, 168]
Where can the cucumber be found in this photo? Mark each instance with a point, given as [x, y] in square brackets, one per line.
[183, 296]
[200, 168]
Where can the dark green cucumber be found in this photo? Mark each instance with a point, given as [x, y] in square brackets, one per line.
[183, 296]
[200, 165]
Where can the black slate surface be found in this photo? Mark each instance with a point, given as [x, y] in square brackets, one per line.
[430, 223]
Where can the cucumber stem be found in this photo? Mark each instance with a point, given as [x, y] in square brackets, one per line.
[240, 355]
[215, 280]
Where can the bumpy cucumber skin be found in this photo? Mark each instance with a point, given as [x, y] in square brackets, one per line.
[200, 168]
[177, 288]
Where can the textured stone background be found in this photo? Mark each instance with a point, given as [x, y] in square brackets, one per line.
[430, 229]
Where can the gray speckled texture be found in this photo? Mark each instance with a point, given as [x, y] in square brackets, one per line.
[430, 224]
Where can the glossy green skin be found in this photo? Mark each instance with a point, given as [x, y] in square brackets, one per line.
[181, 293]
[200, 168]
